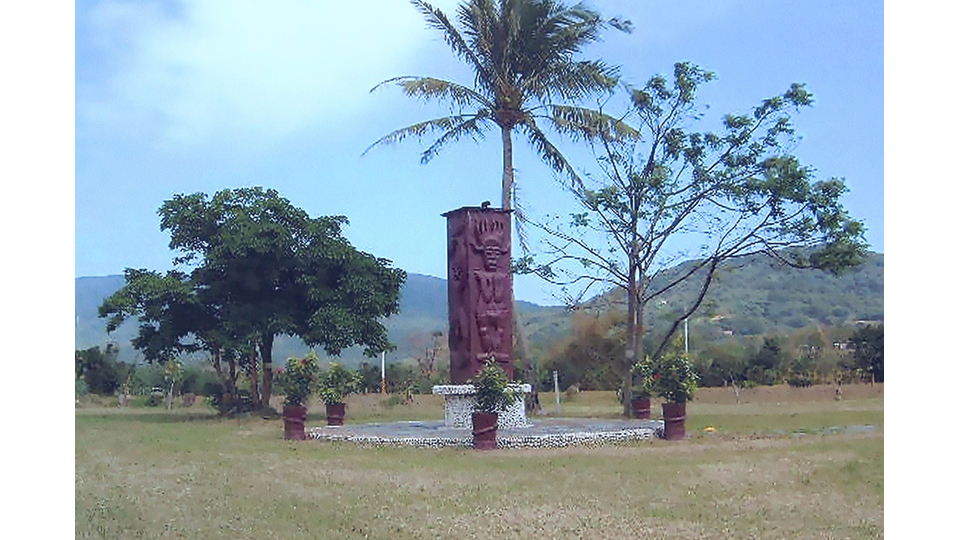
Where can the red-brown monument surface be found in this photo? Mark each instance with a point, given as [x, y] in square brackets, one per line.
[479, 287]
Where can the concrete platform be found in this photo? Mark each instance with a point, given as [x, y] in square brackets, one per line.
[541, 433]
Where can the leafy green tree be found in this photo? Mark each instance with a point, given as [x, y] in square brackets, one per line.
[868, 351]
[369, 378]
[174, 319]
[401, 377]
[586, 357]
[261, 268]
[766, 363]
[735, 193]
[99, 370]
[769, 355]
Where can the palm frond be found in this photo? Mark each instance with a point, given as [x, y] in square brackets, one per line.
[580, 123]
[548, 152]
[420, 129]
[483, 23]
[428, 88]
[520, 211]
[472, 126]
[574, 80]
[438, 20]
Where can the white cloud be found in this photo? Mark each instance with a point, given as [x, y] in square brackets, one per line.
[243, 69]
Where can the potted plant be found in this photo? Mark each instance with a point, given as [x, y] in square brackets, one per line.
[640, 402]
[298, 380]
[335, 384]
[493, 394]
[674, 379]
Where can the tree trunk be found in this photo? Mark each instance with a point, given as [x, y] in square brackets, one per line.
[266, 354]
[170, 397]
[231, 391]
[506, 195]
[506, 187]
[631, 354]
[254, 386]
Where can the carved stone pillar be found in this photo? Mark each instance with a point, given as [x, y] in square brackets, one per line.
[479, 286]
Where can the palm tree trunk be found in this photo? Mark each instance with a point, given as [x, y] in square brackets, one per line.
[507, 183]
[506, 195]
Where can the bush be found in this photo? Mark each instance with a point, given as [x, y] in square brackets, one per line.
[197, 380]
[674, 378]
[243, 404]
[152, 400]
[299, 379]
[99, 370]
[493, 391]
[642, 373]
[336, 383]
[799, 381]
[80, 388]
[211, 389]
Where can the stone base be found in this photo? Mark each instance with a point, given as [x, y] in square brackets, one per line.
[459, 402]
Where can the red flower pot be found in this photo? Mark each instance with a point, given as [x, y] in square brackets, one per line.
[674, 419]
[485, 430]
[640, 407]
[335, 413]
[293, 420]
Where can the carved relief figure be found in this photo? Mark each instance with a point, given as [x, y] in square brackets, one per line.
[492, 282]
[492, 327]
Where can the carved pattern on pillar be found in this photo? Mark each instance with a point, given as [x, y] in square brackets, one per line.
[478, 290]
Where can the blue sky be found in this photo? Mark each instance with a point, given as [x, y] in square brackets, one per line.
[181, 97]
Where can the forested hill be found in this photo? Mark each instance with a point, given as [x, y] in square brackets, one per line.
[750, 296]
[756, 295]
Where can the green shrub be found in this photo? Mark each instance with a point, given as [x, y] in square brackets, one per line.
[674, 378]
[643, 377]
[299, 379]
[197, 380]
[152, 400]
[493, 390]
[336, 383]
[244, 401]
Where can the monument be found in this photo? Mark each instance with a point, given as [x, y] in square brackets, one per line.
[480, 303]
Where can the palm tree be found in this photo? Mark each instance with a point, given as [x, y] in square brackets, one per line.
[521, 52]
[522, 55]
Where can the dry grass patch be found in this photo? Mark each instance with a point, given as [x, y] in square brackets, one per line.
[188, 475]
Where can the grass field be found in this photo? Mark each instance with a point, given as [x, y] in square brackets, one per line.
[781, 464]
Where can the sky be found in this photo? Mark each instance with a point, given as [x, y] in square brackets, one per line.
[199, 96]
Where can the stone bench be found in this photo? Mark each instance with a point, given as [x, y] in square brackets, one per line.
[459, 403]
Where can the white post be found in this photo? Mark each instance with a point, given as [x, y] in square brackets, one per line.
[686, 338]
[383, 372]
[556, 389]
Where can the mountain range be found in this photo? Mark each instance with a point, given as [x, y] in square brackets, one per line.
[749, 297]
